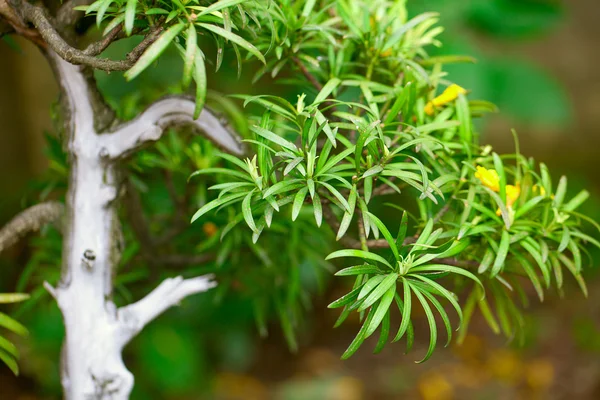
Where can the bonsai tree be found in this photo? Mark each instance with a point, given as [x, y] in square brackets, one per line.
[374, 145]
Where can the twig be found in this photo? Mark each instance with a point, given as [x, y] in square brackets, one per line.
[311, 78]
[98, 47]
[30, 220]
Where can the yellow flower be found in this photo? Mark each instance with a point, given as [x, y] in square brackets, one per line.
[512, 194]
[450, 94]
[489, 178]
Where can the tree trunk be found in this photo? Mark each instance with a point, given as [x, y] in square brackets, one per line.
[96, 331]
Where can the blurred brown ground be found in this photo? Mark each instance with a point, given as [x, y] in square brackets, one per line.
[484, 367]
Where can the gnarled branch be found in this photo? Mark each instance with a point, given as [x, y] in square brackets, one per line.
[171, 111]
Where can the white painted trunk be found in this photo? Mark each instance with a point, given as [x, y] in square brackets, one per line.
[96, 331]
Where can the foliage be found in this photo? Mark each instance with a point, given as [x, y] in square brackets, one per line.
[375, 118]
[8, 351]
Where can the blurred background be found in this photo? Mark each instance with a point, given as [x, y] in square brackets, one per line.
[537, 60]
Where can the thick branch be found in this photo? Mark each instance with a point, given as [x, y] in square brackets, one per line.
[39, 18]
[30, 220]
[169, 293]
[172, 111]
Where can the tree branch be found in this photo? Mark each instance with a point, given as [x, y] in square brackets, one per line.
[172, 111]
[39, 18]
[170, 292]
[30, 220]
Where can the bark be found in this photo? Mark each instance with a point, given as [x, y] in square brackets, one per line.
[96, 331]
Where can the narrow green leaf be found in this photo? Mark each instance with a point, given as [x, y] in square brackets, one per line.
[382, 309]
[359, 270]
[432, 324]
[10, 362]
[130, 9]
[359, 339]
[201, 84]
[576, 201]
[13, 297]
[387, 282]
[405, 311]
[190, 54]
[154, 51]
[358, 254]
[327, 89]
[501, 253]
[402, 230]
[317, 209]
[12, 325]
[243, 43]
[272, 137]
[387, 235]
[298, 202]
[217, 203]
[247, 211]
[385, 333]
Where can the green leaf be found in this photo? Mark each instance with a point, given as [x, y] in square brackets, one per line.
[442, 313]
[130, 9]
[200, 78]
[272, 137]
[489, 317]
[346, 299]
[219, 5]
[402, 230]
[499, 166]
[317, 209]
[360, 337]
[247, 211]
[446, 268]
[10, 348]
[406, 311]
[154, 51]
[432, 324]
[385, 333]
[387, 282]
[501, 253]
[298, 202]
[190, 54]
[243, 43]
[561, 190]
[387, 235]
[448, 295]
[371, 284]
[217, 203]
[10, 362]
[382, 309]
[358, 254]
[327, 89]
[13, 297]
[359, 270]
[12, 325]
[576, 201]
